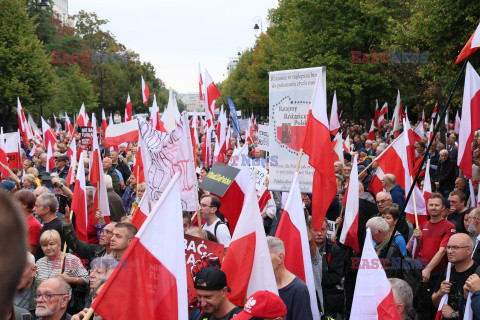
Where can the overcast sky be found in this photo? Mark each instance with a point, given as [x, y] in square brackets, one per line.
[176, 35]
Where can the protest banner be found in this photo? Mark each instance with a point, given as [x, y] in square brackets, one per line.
[262, 136]
[86, 138]
[199, 254]
[290, 95]
[260, 174]
[219, 179]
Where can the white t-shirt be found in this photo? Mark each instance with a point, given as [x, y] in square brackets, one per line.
[223, 234]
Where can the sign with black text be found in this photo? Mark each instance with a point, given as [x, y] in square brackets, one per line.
[86, 138]
[219, 179]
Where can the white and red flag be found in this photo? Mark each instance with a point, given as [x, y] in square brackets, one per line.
[371, 133]
[79, 202]
[349, 236]
[3, 156]
[23, 126]
[13, 150]
[430, 131]
[138, 166]
[427, 184]
[72, 156]
[377, 114]
[390, 160]
[472, 45]
[104, 123]
[156, 270]
[346, 145]
[317, 144]
[170, 116]
[200, 82]
[82, 119]
[423, 116]
[100, 199]
[471, 120]
[397, 117]
[207, 148]
[247, 264]
[128, 109]
[145, 92]
[338, 148]
[456, 124]
[334, 123]
[69, 126]
[444, 299]
[434, 112]
[211, 93]
[373, 296]
[49, 136]
[292, 230]
[473, 201]
[120, 133]
[248, 137]
[420, 130]
[376, 184]
[194, 134]
[382, 115]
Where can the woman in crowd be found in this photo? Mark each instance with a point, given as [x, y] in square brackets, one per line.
[391, 215]
[34, 171]
[130, 194]
[29, 182]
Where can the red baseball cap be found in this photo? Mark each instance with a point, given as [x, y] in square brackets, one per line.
[262, 305]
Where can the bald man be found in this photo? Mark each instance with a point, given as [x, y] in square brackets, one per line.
[389, 183]
[459, 253]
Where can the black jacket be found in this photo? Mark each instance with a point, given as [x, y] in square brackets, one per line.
[446, 175]
[333, 260]
[123, 168]
[84, 250]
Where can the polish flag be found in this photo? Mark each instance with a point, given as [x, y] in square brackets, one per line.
[247, 264]
[248, 137]
[50, 165]
[346, 145]
[397, 116]
[377, 114]
[206, 148]
[200, 82]
[430, 132]
[12, 149]
[49, 135]
[232, 200]
[211, 93]
[456, 124]
[373, 296]
[72, 156]
[156, 262]
[104, 123]
[265, 196]
[338, 149]
[349, 236]
[434, 112]
[471, 120]
[82, 119]
[169, 116]
[141, 212]
[419, 130]
[390, 160]
[100, 199]
[423, 116]
[68, 125]
[334, 123]
[25, 130]
[376, 184]
[120, 133]
[216, 151]
[138, 167]
[444, 299]
[447, 120]
[292, 230]
[371, 133]
[155, 116]
[427, 185]
[79, 202]
[317, 144]
[381, 116]
[194, 134]
[3, 156]
[145, 92]
[472, 45]
[128, 110]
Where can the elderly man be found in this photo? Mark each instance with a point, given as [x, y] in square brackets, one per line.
[384, 200]
[338, 165]
[292, 290]
[52, 299]
[211, 287]
[108, 169]
[403, 296]
[119, 165]
[445, 176]
[115, 203]
[45, 209]
[61, 167]
[27, 287]
[474, 227]
[458, 210]
[209, 205]
[459, 252]
[42, 167]
[389, 183]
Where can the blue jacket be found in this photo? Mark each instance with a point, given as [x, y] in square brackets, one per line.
[398, 196]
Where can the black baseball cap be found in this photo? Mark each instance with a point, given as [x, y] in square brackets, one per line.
[211, 279]
[63, 158]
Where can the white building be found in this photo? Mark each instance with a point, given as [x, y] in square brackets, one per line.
[192, 102]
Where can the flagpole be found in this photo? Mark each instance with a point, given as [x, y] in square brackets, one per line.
[417, 175]
[138, 235]
[64, 253]
[300, 153]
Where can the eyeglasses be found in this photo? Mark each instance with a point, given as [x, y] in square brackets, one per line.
[107, 232]
[203, 205]
[382, 201]
[47, 296]
[455, 248]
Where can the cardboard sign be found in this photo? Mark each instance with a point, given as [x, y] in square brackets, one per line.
[331, 229]
[262, 135]
[86, 138]
[261, 175]
[199, 254]
[219, 179]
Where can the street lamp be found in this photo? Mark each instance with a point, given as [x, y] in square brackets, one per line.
[257, 21]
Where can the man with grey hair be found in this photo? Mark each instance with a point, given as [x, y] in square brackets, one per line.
[45, 209]
[403, 296]
[389, 183]
[109, 170]
[445, 176]
[384, 200]
[115, 203]
[474, 228]
[52, 299]
[292, 290]
[27, 287]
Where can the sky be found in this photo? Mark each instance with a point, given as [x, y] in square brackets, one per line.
[177, 35]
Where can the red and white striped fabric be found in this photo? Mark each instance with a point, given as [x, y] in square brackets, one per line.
[145, 92]
[211, 93]
[104, 123]
[100, 199]
[13, 150]
[444, 299]
[69, 126]
[338, 148]
[371, 133]
[156, 262]
[25, 130]
[430, 132]
[82, 119]
[390, 160]
[420, 130]
[376, 115]
[434, 113]
[3, 156]
[292, 230]
[58, 128]
[265, 196]
[248, 137]
[79, 202]
[128, 109]
[349, 235]
[456, 124]
[72, 156]
[472, 45]
[249, 270]
[423, 116]
[334, 122]
[382, 115]
[471, 120]
[346, 145]
[427, 186]
[207, 148]
[317, 144]
[397, 117]
[120, 133]
[49, 136]
[376, 184]
[200, 82]
[141, 212]
[50, 165]
[373, 296]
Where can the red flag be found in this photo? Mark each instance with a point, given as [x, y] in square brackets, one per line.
[316, 144]
[381, 116]
[472, 45]
[82, 119]
[50, 160]
[349, 236]
[79, 203]
[25, 130]
[154, 268]
[247, 264]
[470, 120]
[211, 93]
[138, 167]
[128, 110]
[376, 184]
[100, 198]
[292, 229]
[206, 149]
[49, 135]
[373, 296]
[145, 92]
[371, 133]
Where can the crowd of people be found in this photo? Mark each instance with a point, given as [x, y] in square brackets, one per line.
[57, 284]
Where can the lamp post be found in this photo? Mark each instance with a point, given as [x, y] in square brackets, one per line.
[257, 21]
